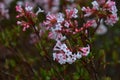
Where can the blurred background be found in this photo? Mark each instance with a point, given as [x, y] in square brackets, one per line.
[22, 59]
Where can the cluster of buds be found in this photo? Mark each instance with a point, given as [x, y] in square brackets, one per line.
[102, 11]
[28, 14]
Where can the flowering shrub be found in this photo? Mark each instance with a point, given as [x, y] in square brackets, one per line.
[63, 25]
[62, 36]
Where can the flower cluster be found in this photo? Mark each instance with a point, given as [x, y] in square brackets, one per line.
[106, 11]
[64, 55]
[71, 36]
[60, 26]
[27, 13]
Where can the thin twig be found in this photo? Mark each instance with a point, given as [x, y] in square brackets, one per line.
[37, 33]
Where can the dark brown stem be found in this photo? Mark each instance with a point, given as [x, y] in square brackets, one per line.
[92, 66]
[7, 74]
[98, 24]
[94, 69]
[45, 51]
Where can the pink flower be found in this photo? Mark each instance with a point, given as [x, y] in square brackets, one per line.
[85, 50]
[24, 24]
[51, 20]
[19, 9]
[71, 13]
[111, 19]
[111, 6]
[89, 23]
[28, 7]
[88, 11]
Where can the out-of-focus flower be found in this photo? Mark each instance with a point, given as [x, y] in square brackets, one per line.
[24, 24]
[95, 5]
[111, 6]
[3, 11]
[70, 0]
[105, 10]
[102, 29]
[19, 8]
[7, 2]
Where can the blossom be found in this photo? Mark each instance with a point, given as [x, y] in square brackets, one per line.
[85, 50]
[111, 6]
[28, 7]
[60, 17]
[111, 19]
[78, 55]
[67, 24]
[90, 23]
[64, 55]
[71, 13]
[88, 11]
[60, 57]
[19, 8]
[53, 20]
[24, 24]
[27, 13]
[95, 5]
[56, 36]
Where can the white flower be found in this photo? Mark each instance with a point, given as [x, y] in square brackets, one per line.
[66, 24]
[75, 11]
[95, 5]
[28, 8]
[101, 29]
[78, 55]
[60, 18]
